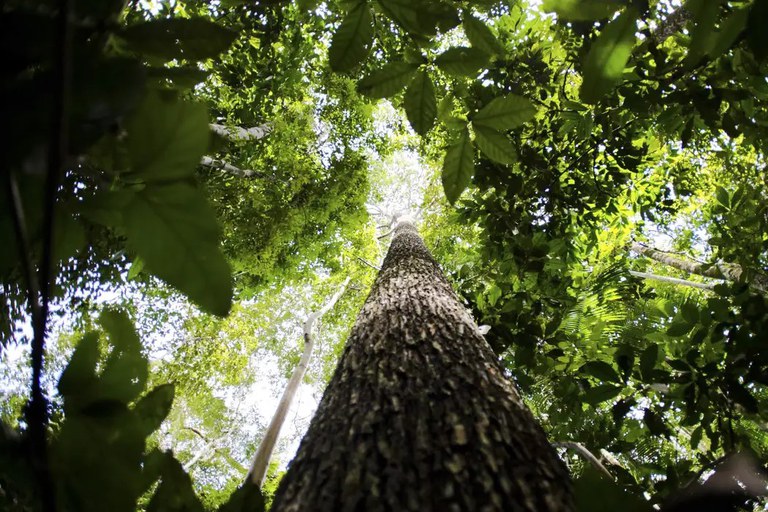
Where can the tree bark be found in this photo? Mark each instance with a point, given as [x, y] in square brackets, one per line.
[264, 452]
[238, 134]
[729, 271]
[419, 415]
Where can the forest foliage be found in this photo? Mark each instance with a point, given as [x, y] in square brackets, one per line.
[561, 141]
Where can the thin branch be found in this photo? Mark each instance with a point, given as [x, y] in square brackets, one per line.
[374, 267]
[672, 280]
[585, 454]
[214, 163]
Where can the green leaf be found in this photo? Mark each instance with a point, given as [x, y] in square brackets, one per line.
[178, 38]
[458, 167]
[153, 407]
[679, 328]
[690, 312]
[247, 498]
[605, 62]
[125, 372]
[182, 77]
[495, 145]
[601, 370]
[648, 361]
[175, 492]
[480, 36]
[80, 373]
[388, 80]
[722, 196]
[601, 393]
[352, 40]
[704, 14]
[166, 138]
[462, 61]
[581, 10]
[741, 395]
[420, 103]
[175, 232]
[505, 113]
[595, 493]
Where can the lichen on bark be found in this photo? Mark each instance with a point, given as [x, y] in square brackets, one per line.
[419, 415]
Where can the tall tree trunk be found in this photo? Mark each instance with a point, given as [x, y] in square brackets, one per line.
[264, 452]
[419, 415]
[729, 271]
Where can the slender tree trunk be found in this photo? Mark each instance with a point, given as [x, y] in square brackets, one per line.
[267, 446]
[729, 271]
[419, 415]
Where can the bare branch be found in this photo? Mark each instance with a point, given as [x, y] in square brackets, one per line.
[672, 280]
[585, 454]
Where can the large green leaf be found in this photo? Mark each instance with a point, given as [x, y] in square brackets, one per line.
[153, 407]
[178, 38]
[388, 80]
[480, 36]
[175, 232]
[505, 113]
[495, 145]
[175, 492]
[125, 371]
[605, 62]
[462, 61]
[352, 40]
[166, 138]
[582, 10]
[420, 104]
[595, 493]
[458, 167]
[601, 370]
[80, 374]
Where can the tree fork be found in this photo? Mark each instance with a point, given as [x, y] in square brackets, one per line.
[419, 415]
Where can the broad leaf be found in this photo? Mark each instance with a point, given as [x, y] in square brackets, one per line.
[247, 498]
[166, 138]
[480, 36]
[153, 407]
[605, 62]
[601, 370]
[420, 104]
[462, 61]
[648, 359]
[495, 145]
[582, 10]
[125, 372]
[178, 38]
[388, 80]
[458, 167]
[175, 232]
[505, 113]
[601, 393]
[595, 493]
[730, 29]
[80, 373]
[352, 40]
[175, 492]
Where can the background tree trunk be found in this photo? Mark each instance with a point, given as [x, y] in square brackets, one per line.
[264, 452]
[419, 415]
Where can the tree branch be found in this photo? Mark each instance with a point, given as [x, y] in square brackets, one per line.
[238, 134]
[214, 163]
[585, 454]
[267, 445]
[672, 280]
[729, 271]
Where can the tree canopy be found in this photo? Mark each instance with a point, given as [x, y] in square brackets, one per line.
[185, 181]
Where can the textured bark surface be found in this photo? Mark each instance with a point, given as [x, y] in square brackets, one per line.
[418, 415]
